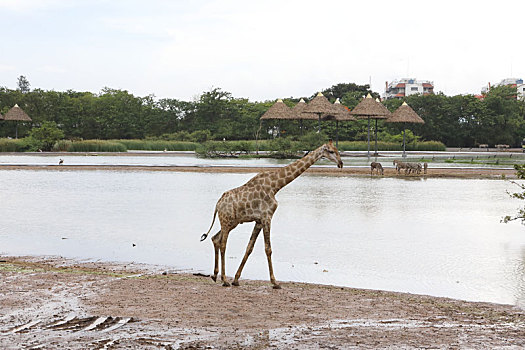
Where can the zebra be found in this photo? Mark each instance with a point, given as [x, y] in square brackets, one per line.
[377, 166]
[413, 167]
[400, 165]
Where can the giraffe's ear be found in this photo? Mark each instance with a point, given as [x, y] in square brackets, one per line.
[330, 141]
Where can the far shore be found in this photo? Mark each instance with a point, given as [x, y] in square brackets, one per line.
[452, 172]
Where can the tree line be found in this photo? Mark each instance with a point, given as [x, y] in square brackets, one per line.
[457, 121]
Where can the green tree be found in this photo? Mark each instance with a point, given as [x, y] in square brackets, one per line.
[345, 90]
[23, 84]
[504, 111]
[47, 135]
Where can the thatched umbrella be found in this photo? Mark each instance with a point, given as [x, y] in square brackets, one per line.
[344, 115]
[298, 112]
[369, 108]
[17, 114]
[404, 114]
[321, 106]
[278, 111]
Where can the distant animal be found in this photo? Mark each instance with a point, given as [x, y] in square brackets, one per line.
[425, 167]
[399, 165]
[378, 168]
[60, 162]
[413, 167]
[255, 201]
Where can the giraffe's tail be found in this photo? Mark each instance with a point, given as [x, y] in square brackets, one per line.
[203, 237]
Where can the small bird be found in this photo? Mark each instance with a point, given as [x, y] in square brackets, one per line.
[60, 162]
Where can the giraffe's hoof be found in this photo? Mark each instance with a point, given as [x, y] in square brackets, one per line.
[236, 284]
[214, 278]
[225, 284]
[276, 286]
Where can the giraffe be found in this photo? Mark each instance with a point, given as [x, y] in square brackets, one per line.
[255, 201]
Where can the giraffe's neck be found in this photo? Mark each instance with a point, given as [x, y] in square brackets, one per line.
[290, 172]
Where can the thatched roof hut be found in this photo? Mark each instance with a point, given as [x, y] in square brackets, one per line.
[278, 111]
[343, 112]
[298, 111]
[18, 114]
[370, 108]
[405, 114]
[321, 105]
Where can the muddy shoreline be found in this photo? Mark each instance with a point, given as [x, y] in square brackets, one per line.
[53, 303]
[468, 173]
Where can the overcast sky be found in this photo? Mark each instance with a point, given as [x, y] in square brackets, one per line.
[261, 50]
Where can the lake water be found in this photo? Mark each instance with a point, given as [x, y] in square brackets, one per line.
[440, 237]
[436, 159]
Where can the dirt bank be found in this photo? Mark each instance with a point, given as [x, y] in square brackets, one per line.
[54, 303]
[345, 171]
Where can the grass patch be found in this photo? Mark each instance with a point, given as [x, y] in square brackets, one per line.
[158, 145]
[391, 146]
[96, 146]
[27, 267]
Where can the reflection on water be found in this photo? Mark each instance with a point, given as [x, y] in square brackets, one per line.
[437, 236]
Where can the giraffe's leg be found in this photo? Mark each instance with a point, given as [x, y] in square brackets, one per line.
[216, 239]
[249, 250]
[224, 239]
[268, 249]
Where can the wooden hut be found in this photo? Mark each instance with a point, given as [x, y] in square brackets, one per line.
[18, 115]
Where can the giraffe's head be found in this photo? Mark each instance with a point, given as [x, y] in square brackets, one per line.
[330, 152]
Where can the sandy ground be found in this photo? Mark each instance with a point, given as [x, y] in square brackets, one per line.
[53, 303]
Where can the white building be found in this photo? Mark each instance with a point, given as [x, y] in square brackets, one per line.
[514, 82]
[408, 86]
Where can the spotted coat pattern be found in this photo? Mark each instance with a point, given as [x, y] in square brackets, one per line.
[255, 201]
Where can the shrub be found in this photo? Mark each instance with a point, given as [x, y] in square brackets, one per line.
[62, 146]
[312, 140]
[283, 148]
[158, 145]
[392, 146]
[200, 136]
[8, 145]
[29, 144]
[46, 135]
[97, 146]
